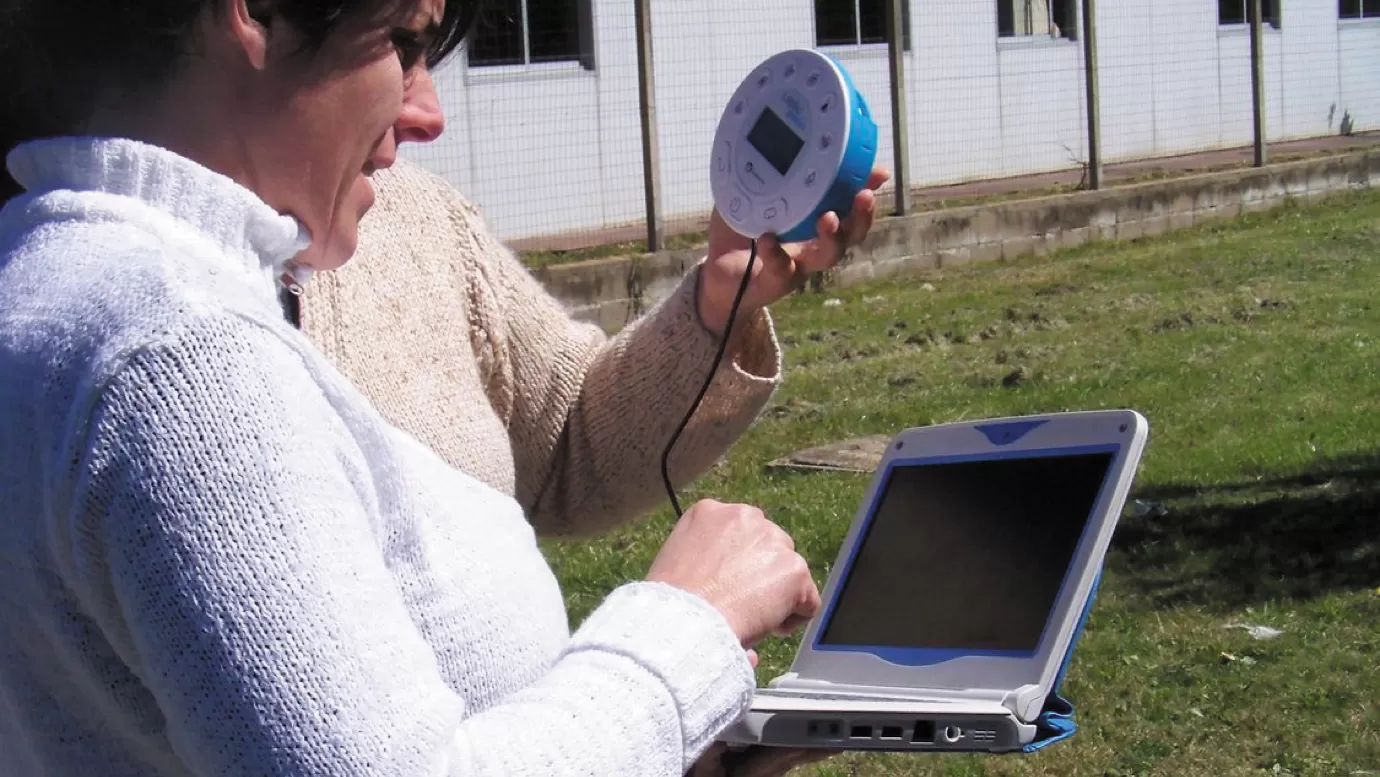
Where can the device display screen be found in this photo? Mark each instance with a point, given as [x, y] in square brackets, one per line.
[967, 556]
[775, 140]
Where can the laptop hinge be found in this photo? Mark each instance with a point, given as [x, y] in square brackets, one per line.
[1022, 702]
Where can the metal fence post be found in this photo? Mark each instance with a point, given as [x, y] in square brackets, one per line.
[1093, 100]
[646, 102]
[1258, 80]
[900, 137]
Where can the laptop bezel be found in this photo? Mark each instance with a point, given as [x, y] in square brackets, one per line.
[1121, 431]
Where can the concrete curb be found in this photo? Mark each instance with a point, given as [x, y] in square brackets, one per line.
[612, 292]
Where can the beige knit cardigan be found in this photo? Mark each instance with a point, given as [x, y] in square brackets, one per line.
[459, 345]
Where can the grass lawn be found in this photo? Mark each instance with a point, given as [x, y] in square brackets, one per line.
[1252, 347]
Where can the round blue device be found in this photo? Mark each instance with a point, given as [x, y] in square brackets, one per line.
[795, 142]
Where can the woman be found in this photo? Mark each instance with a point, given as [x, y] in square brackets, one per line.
[219, 559]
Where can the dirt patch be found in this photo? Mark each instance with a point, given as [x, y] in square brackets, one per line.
[795, 408]
[860, 454]
[1177, 323]
[1056, 290]
[1243, 314]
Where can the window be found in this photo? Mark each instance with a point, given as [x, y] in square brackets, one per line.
[855, 22]
[1037, 18]
[1358, 9]
[525, 32]
[1235, 12]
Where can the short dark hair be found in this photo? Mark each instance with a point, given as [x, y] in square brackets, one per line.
[58, 56]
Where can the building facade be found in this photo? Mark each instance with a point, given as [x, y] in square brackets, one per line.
[543, 126]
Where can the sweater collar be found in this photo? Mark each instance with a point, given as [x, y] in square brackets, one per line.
[233, 217]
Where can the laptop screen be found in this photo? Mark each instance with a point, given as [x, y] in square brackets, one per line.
[967, 555]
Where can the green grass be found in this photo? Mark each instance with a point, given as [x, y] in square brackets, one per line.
[1252, 347]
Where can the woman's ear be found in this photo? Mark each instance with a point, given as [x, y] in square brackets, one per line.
[248, 22]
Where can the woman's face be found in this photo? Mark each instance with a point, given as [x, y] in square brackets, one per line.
[328, 118]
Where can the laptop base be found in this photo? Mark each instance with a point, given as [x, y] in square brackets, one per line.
[877, 730]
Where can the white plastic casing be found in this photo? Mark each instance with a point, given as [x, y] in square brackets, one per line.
[781, 142]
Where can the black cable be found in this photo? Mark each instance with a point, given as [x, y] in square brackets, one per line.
[713, 370]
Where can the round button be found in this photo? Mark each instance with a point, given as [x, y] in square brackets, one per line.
[773, 212]
[738, 207]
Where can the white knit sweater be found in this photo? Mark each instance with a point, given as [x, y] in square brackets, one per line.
[218, 559]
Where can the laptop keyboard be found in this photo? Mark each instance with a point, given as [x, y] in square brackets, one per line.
[848, 696]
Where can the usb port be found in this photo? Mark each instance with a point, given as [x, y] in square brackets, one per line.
[924, 732]
[861, 732]
[891, 732]
[817, 728]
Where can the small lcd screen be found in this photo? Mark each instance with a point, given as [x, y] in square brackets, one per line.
[775, 140]
[967, 556]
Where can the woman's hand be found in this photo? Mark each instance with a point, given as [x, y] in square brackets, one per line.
[719, 761]
[779, 270]
[748, 569]
[744, 565]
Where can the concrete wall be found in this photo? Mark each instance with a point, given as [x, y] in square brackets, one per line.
[614, 291]
[550, 149]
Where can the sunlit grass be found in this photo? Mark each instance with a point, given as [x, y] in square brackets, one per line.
[1252, 347]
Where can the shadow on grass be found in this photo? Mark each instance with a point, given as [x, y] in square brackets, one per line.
[1229, 546]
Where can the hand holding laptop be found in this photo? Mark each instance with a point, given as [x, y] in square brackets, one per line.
[742, 564]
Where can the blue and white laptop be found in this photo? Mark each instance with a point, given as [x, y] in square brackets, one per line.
[959, 591]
